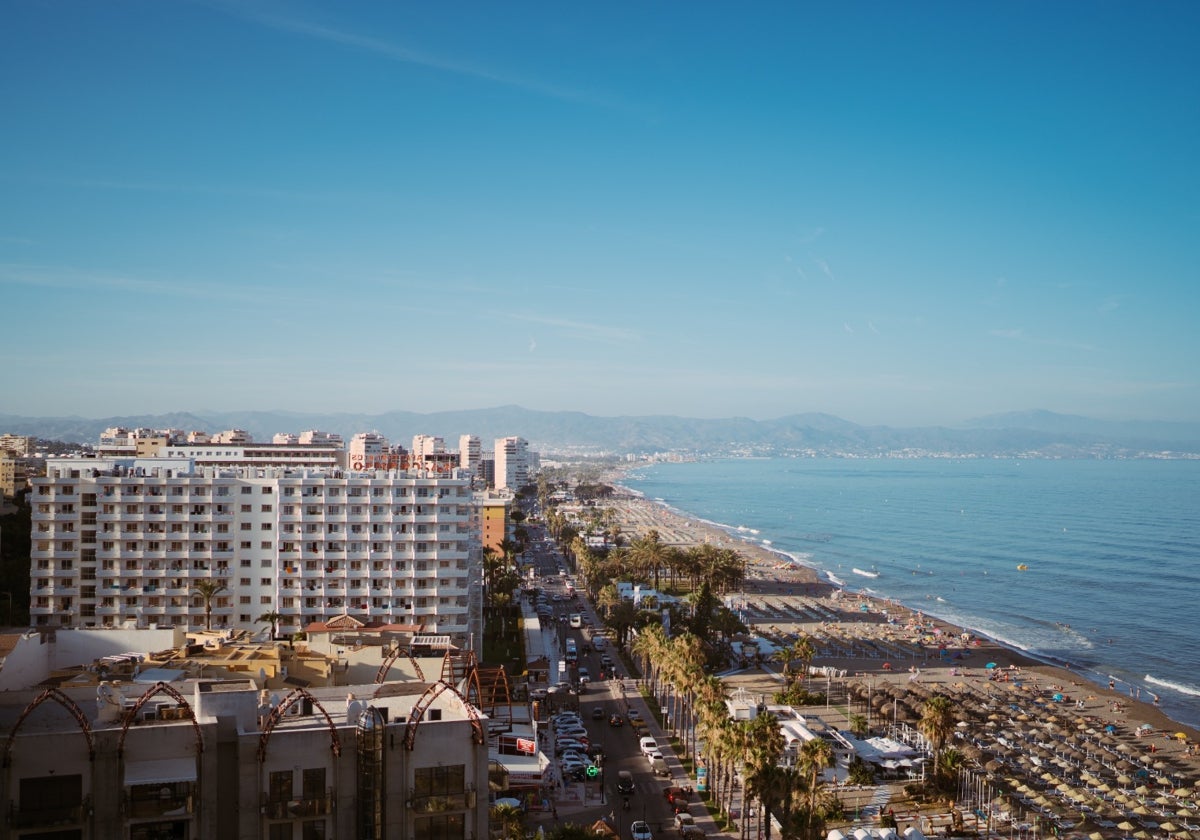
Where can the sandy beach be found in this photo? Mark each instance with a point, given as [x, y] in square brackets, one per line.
[1113, 745]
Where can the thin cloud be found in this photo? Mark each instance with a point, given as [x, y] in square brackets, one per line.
[58, 277]
[847, 328]
[1018, 334]
[532, 344]
[588, 332]
[128, 185]
[406, 55]
[824, 266]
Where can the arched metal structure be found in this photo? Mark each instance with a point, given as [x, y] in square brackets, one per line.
[160, 688]
[495, 693]
[418, 713]
[461, 670]
[390, 660]
[295, 696]
[62, 700]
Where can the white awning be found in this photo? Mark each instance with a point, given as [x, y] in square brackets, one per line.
[160, 771]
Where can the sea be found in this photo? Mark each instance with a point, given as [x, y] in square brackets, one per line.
[1094, 564]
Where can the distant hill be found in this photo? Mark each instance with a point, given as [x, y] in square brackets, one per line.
[1039, 433]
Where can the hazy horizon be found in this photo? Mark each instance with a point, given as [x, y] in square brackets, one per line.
[897, 215]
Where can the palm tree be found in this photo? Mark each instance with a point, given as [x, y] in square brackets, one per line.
[273, 619]
[509, 819]
[936, 724]
[803, 650]
[649, 554]
[207, 589]
[858, 726]
[816, 756]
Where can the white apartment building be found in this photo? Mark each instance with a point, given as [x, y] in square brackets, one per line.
[126, 542]
[512, 463]
[230, 448]
[469, 453]
[426, 445]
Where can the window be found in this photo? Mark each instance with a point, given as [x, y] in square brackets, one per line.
[266, 526]
[279, 785]
[267, 491]
[246, 526]
[263, 581]
[265, 545]
[243, 581]
[246, 491]
[247, 508]
[313, 781]
[312, 830]
[439, 781]
[266, 508]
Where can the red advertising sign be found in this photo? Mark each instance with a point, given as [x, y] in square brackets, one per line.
[526, 746]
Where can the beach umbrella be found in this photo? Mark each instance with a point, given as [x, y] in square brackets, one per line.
[1124, 780]
[1096, 835]
[1125, 825]
[992, 665]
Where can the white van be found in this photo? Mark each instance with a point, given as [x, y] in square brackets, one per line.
[575, 620]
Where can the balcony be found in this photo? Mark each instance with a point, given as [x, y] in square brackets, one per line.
[45, 817]
[290, 809]
[168, 795]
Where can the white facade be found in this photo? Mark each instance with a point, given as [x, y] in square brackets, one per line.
[512, 463]
[469, 453]
[124, 542]
[423, 445]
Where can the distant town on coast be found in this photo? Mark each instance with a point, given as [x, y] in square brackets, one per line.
[1025, 434]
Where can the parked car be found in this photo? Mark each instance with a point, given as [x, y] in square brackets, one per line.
[648, 745]
[561, 747]
[683, 820]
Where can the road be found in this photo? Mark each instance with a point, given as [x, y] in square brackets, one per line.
[617, 696]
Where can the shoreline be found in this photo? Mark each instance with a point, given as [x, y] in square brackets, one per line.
[786, 587]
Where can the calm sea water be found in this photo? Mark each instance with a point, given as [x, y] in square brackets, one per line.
[1112, 548]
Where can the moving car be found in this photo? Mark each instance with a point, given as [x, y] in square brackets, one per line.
[615, 720]
[640, 830]
[625, 782]
[597, 713]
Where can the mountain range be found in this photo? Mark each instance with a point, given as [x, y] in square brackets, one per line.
[1037, 433]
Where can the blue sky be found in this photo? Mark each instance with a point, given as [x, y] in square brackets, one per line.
[899, 213]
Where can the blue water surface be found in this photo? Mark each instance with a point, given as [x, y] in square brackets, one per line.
[1112, 548]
